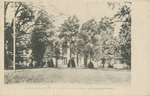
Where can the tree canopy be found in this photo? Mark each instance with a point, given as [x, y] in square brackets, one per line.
[94, 39]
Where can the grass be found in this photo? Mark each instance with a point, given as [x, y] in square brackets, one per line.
[68, 75]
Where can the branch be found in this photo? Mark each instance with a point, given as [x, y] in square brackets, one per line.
[118, 21]
[17, 11]
[22, 25]
[6, 6]
[12, 23]
[32, 26]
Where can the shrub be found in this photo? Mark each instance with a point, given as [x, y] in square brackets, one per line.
[90, 65]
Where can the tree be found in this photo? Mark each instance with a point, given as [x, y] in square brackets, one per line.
[103, 49]
[53, 45]
[69, 30]
[56, 51]
[41, 34]
[124, 15]
[8, 44]
[125, 44]
[23, 15]
[87, 38]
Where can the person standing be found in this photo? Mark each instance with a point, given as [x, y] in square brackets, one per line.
[71, 63]
[50, 63]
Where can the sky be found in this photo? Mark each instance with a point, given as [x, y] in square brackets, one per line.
[83, 9]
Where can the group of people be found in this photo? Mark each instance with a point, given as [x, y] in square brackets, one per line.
[50, 63]
[43, 63]
[71, 63]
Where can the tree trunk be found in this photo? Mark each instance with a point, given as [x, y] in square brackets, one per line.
[90, 55]
[77, 59]
[38, 63]
[85, 60]
[70, 49]
[103, 62]
[103, 65]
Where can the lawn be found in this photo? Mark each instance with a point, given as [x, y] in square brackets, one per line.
[68, 75]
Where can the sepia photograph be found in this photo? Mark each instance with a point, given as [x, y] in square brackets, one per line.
[75, 48]
[69, 43]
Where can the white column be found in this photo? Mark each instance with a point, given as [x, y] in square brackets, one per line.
[68, 52]
[14, 40]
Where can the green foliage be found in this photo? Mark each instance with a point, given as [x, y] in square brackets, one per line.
[8, 44]
[125, 44]
[43, 20]
[23, 15]
[41, 35]
[124, 14]
[87, 39]
[38, 46]
[8, 37]
[69, 30]
[104, 47]
[70, 26]
[94, 40]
